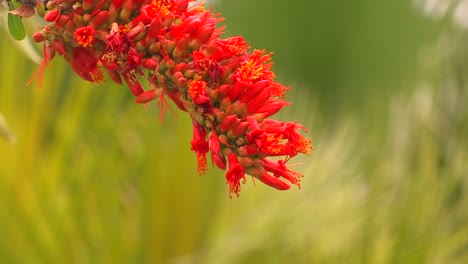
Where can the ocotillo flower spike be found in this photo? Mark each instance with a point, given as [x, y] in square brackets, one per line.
[175, 47]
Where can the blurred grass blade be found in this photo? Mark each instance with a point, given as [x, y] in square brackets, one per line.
[5, 131]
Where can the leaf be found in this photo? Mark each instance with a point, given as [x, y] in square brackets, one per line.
[15, 25]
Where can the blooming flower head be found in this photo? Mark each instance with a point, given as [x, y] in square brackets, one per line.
[85, 36]
[172, 50]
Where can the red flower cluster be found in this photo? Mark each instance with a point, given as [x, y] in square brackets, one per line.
[175, 47]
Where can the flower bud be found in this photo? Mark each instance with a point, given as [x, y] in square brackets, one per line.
[147, 96]
[50, 5]
[133, 84]
[127, 8]
[100, 18]
[273, 182]
[219, 161]
[52, 15]
[115, 76]
[149, 64]
[38, 37]
[154, 28]
[180, 48]
[259, 101]
[49, 52]
[247, 162]
[239, 130]
[202, 36]
[59, 46]
[40, 9]
[228, 123]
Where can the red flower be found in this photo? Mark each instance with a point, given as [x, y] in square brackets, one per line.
[279, 170]
[297, 143]
[227, 90]
[84, 62]
[234, 175]
[274, 182]
[256, 67]
[85, 36]
[200, 146]
[197, 92]
[134, 59]
[228, 48]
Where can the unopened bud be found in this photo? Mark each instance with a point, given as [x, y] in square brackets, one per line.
[154, 28]
[246, 162]
[147, 96]
[100, 18]
[219, 160]
[228, 123]
[127, 8]
[273, 182]
[59, 46]
[52, 15]
[40, 9]
[180, 48]
[49, 52]
[38, 37]
[150, 64]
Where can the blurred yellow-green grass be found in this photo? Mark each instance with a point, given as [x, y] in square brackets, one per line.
[94, 178]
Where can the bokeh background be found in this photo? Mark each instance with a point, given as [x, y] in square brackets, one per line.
[87, 176]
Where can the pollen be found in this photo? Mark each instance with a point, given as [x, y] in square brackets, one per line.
[161, 6]
[273, 143]
[250, 71]
[256, 68]
[304, 146]
[237, 46]
[85, 36]
[197, 89]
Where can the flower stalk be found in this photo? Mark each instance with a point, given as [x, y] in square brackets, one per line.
[174, 48]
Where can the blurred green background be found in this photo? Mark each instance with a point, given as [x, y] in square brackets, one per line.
[91, 177]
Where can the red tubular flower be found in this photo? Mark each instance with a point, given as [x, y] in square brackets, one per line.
[228, 48]
[154, 28]
[272, 107]
[59, 46]
[147, 96]
[259, 100]
[214, 143]
[234, 175]
[274, 182]
[133, 84]
[279, 170]
[133, 59]
[200, 146]
[238, 89]
[84, 62]
[219, 160]
[297, 143]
